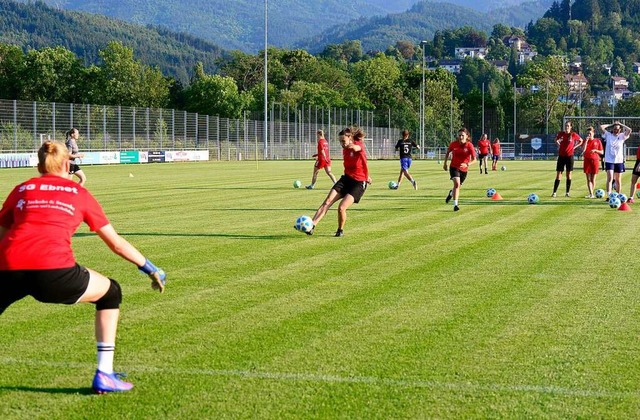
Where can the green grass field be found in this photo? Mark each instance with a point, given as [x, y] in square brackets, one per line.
[501, 310]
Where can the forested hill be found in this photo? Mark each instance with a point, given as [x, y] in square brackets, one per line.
[36, 25]
[421, 22]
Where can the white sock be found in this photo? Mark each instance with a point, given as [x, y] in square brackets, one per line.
[105, 356]
[455, 202]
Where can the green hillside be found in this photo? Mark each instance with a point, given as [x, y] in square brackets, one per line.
[35, 26]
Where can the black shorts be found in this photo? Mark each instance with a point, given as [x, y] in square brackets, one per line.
[65, 285]
[347, 185]
[564, 162]
[636, 168]
[457, 173]
[73, 168]
[482, 156]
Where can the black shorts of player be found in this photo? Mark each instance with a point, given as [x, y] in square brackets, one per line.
[73, 168]
[481, 156]
[457, 173]
[65, 285]
[564, 162]
[636, 168]
[347, 185]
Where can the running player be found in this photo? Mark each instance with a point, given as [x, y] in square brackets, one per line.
[37, 221]
[74, 155]
[405, 146]
[323, 160]
[484, 144]
[496, 153]
[463, 154]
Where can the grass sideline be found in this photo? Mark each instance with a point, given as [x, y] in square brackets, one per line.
[502, 309]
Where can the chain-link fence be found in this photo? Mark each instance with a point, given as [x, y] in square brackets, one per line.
[291, 130]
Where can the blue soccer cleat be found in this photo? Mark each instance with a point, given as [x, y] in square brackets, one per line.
[110, 382]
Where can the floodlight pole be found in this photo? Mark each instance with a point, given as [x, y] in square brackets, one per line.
[422, 99]
[266, 78]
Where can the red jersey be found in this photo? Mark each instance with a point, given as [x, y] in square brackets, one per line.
[483, 146]
[41, 216]
[638, 153]
[567, 142]
[323, 151]
[355, 163]
[593, 144]
[495, 149]
[461, 153]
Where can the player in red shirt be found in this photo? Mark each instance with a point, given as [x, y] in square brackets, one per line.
[323, 160]
[37, 221]
[462, 155]
[352, 185]
[496, 153]
[567, 141]
[634, 177]
[592, 152]
[484, 144]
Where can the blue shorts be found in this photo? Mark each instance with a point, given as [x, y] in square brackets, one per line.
[405, 163]
[617, 168]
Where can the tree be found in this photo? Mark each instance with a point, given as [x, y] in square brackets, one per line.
[11, 68]
[124, 81]
[216, 95]
[51, 74]
[378, 79]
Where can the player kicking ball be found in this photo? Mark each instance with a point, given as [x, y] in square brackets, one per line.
[352, 185]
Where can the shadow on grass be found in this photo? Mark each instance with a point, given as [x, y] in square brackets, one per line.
[43, 390]
[192, 235]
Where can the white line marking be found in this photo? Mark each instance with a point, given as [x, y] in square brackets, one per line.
[367, 380]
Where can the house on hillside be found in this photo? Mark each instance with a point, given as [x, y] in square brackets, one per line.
[454, 66]
[577, 85]
[471, 52]
[524, 51]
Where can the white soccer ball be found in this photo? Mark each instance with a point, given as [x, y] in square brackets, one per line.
[491, 192]
[622, 198]
[393, 185]
[297, 183]
[599, 193]
[614, 203]
[503, 168]
[613, 195]
[304, 224]
[533, 198]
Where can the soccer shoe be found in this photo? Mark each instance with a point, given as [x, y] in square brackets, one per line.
[309, 187]
[589, 196]
[415, 184]
[567, 195]
[339, 233]
[485, 172]
[449, 196]
[456, 208]
[553, 195]
[631, 201]
[109, 382]
[311, 231]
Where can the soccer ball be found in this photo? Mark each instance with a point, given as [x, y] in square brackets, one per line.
[599, 193]
[393, 185]
[304, 224]
[613, 195]
[614, 203]
[297, 183]
[622, 198]
[503, 168]
[491, 192]
[533, 199]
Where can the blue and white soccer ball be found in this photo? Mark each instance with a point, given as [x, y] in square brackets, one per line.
[393, 185]
[297, 183]
[622, 198]
[304, 224]
[503, 168]
[533, 198]
[491, 192]
[614, 203]
[599, 193]
[613, 195]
